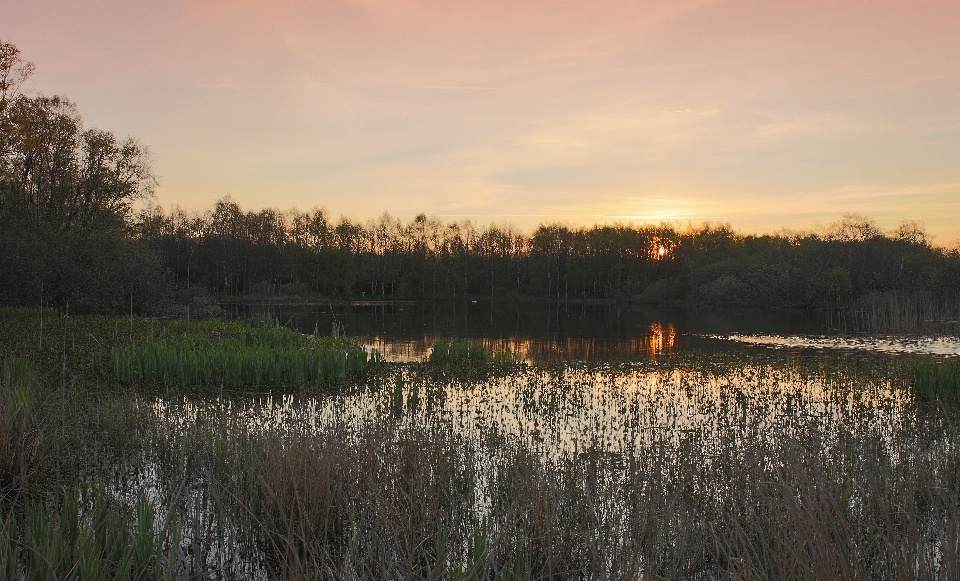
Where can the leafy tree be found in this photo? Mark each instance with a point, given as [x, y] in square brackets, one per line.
[66, 199]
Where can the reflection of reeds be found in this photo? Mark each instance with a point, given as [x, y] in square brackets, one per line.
[896, 312]
[389, 498]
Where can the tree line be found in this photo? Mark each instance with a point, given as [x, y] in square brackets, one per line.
[70, 235]
[232, 251]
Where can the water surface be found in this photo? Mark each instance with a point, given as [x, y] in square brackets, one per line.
[557, 331]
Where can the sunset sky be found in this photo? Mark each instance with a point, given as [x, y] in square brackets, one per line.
[765, 115]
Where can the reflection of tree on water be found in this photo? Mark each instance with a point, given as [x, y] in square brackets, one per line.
[661, 339]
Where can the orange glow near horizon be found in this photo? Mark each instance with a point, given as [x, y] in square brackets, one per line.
[761, 115]
[661, 248]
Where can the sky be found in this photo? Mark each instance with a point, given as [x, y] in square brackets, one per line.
[764, 115]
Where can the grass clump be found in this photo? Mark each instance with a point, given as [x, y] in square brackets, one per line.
[224, 355]
[459, 353]
[88, 538]
[19, 436]
[936, 379]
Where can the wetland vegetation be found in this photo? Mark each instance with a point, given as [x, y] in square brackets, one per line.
[144, 448]
[763, 464]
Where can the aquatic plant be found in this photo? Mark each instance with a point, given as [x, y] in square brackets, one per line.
[738, 465]
[936, 379]
[20, 455]
[16, 313]
[263, 359]
[459, 353]
[90, 539]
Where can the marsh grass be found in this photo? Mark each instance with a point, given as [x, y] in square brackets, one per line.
[898, 312]
[387, 500]
[771, 472]
[459, 353]
[462, 355]
[89, 538]
[232, 364]
[936, 379]
[20, 448]
[695, 466]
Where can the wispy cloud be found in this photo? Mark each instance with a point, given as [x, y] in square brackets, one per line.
[761, 114]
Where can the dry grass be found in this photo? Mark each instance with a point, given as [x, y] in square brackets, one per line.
[412, 497]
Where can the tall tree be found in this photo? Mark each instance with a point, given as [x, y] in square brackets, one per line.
[66, 197]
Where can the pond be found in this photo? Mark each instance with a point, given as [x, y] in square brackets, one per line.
[544, 332]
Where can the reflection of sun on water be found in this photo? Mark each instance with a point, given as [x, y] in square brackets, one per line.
[658, 339]
[617, 411]
[661, 339]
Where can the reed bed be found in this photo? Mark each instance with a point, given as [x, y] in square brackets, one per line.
[18, 436]
[789, 470]
[90, 539]
[233, 364]
[936, 379]
[696, 466]
[898, 312]
[458, 353]
[18, 313]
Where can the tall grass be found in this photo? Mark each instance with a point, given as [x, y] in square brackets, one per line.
[89, 539]
[936, 379]
[230, 364]
[20, 449]
[53, 524]
[701, 467]
[898, 312]
[398, 498]
[255, 357]
[459, 353]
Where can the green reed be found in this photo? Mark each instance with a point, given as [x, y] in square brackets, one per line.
[934, 379]
[737, 466]
[89, 538]
[250, 357]
[459, 353]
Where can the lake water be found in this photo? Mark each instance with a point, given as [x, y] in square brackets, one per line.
[556, 331]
